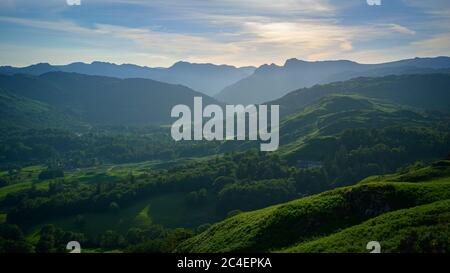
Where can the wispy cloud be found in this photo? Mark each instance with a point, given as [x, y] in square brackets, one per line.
[400, 29]
[255, 41]
[250, 32]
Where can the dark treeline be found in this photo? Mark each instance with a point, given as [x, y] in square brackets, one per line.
[109, 145]
[149, 239]
[358, 153]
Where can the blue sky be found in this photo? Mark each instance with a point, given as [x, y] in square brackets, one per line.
[237, 32]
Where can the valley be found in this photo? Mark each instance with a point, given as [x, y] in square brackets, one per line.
[81, 161]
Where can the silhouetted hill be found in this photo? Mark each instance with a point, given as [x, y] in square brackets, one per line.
[270, 82]
[428, 91]
[103, 100]
[21, 112]
[205, 78]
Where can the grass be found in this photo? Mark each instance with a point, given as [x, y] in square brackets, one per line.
[143, 217]
[419, 229]
[437, 172]
[21, 186]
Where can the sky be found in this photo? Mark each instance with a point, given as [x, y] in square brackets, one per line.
[158, 33]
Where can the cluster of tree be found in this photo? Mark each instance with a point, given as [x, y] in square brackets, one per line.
[66, 198]
[3, 182]
[148, 239]
[249, 195]
[50, 173]
[197, 198]
[110, 145]
[12, 240]
[54, 240]
[359, 153]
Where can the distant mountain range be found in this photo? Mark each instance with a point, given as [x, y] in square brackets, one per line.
[270, 82]
[92, 99]
[53, 97]
[206, 78]
[246, 85]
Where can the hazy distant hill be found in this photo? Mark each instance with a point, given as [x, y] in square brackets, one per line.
[206, 78]
[270, 82]
[21, 112]
[103, 100]
[428, 91]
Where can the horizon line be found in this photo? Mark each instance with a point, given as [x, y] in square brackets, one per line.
[223, 64]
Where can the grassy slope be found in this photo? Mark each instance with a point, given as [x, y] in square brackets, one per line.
[419, 229]
[323, 120]
[317, 216]
[437, 172]
[335, 113]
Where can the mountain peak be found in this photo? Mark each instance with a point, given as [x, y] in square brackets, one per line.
[267, 67]
[180, 64]
[41, 65]
[296, 62]
[102, 63]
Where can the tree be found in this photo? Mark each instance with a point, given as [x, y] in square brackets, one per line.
[111, 239]
[114, 207]
[178, 236]
[79, 221]
[203, 227]
[50, 174]
[3, 182]
[12, 240]
[221, 181]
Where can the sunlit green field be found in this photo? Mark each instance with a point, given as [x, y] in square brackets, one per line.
[25, 178]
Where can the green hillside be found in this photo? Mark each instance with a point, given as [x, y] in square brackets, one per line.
[312, 219]
[21, 112]
[352, 136]
[422, 229]
[427, 91]
[335, 113]
[318, 129]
